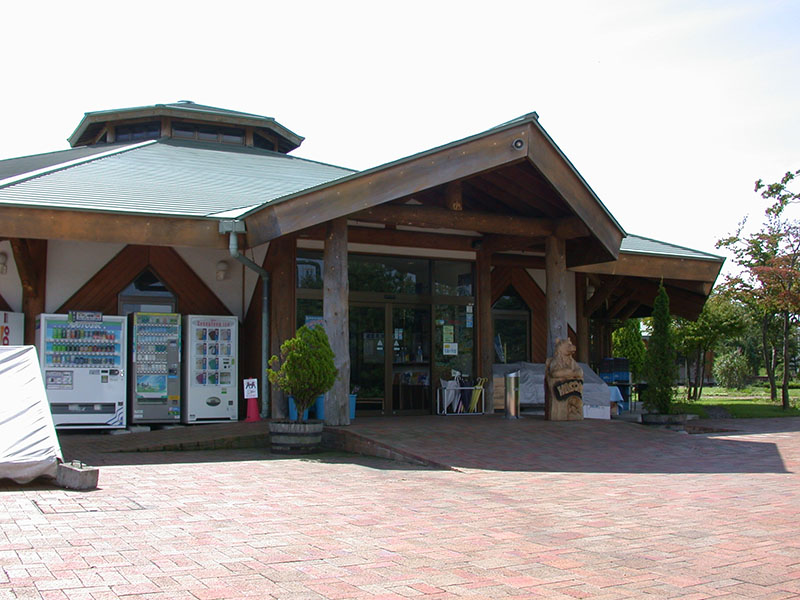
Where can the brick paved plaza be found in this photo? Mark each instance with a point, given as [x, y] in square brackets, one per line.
[527, 509]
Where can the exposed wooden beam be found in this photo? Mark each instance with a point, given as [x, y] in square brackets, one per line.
[485, 335]
[620, 303]
[433, 217]
[30, 257]
[518, 260]
[546, 157]
[27, 222]
[397, 237]
[401, 179]
[452, 196]
[628, 312]
[505, 243]
[601, 294]
[4, 306]
[581, 319]
[658, 267]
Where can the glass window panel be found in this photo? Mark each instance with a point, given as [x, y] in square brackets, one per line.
[233, 136]
[388, 275]
[453, 340]
[207, 134]
[511, 338]
[308, 310]
[510, 300]
[182, 130]
[452, 278]
[309, 270]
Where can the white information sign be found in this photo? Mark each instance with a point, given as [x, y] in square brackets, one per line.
[250, 388]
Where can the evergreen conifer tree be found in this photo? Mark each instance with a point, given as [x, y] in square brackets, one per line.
[660, 364]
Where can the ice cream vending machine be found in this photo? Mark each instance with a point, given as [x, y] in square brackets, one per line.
[12, 329]
[210, 391]
[83, 356]
[155, 369]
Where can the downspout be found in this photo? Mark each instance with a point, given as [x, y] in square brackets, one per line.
[233, 228]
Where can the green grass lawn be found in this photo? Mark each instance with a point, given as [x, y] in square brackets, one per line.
[748, 403]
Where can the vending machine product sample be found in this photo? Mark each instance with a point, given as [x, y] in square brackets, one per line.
[83, 357]
[12, 329]
[155, 372]
[210, 390]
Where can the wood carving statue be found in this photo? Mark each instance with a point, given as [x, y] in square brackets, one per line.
[563, 381]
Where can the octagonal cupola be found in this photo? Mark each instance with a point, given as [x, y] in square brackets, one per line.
[184, 120]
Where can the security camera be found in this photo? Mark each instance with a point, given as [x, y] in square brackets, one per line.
[518, 144]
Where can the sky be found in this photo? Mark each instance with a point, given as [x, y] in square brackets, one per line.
[670, 110]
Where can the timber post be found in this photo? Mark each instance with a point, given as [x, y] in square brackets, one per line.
[485, 337]
[555, 264]
[30, 256]
[581, 319]
[335, 313]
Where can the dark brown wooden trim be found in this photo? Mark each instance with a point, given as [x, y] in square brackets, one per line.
[397, 237]
[602, 294]
[41, 223]
[453, 196]
[30, 257]
[4, 306]
[102, 290]
[484, 341]
[436, 218]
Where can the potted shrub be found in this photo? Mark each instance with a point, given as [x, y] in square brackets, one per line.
[304, 370]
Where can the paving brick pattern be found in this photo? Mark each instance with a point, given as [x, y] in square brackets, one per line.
[526, 509]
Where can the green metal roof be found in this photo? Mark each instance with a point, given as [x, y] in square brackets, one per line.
[636, 244]
[166, 177]
[25, 164]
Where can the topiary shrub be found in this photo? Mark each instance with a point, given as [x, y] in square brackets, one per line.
[731, 370]
[305, 369]
[660, 368]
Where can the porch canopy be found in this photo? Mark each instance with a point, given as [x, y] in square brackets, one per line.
[508, 196]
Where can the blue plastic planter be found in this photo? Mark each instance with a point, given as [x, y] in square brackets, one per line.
[293, 410]
[319, 407]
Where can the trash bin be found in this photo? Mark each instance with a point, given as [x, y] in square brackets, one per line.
[512, 395]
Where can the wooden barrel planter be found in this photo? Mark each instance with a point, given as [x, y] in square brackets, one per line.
[291, 437]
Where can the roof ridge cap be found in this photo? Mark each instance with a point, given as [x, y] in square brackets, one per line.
[15, 179]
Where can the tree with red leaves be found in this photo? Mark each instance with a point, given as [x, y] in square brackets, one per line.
[770, 278]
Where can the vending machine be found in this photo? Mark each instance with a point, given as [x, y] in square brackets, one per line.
[155, 368]
[210, 392]
[12, 329]
[83, 356]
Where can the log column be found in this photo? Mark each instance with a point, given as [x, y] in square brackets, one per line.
[581, 318]
[30, 257]
[555, 264]
[485, 334]
[335, 312]
[281, 258]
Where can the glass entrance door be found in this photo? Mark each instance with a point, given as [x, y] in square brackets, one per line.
[411, 362]
[368, 358]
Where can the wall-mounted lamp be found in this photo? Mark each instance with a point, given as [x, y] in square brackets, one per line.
[222, 270]
[3, 261]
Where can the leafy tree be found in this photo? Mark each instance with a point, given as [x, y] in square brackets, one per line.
[770, 279]
[660, 363]
[731, 369]
[306, 368]
[627, 342]
[722, 318]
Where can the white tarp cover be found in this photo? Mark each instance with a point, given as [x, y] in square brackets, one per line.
[29, 447]
[531, 383]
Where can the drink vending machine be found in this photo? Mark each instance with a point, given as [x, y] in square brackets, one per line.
[155, 370]
[12, 329]
[210, 391]
[83, 357]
